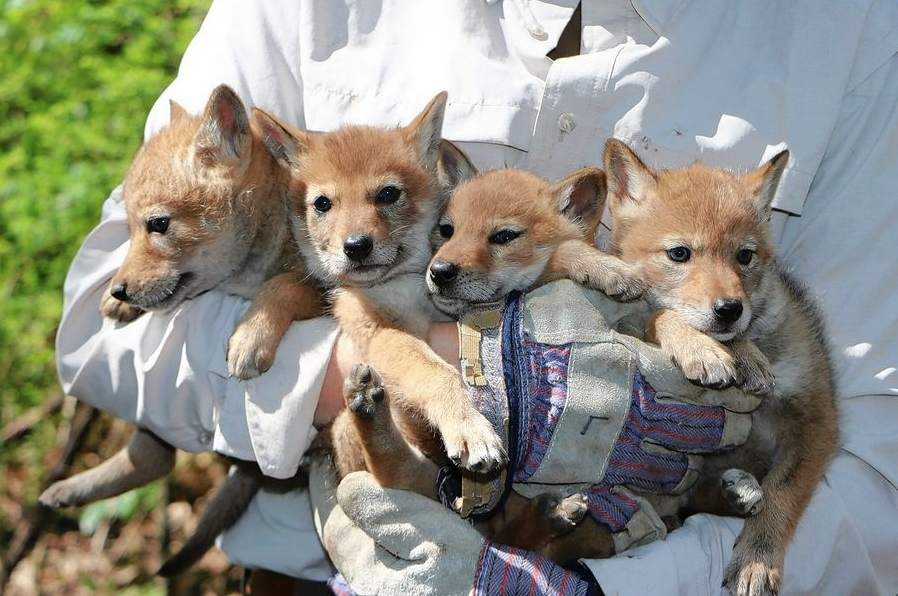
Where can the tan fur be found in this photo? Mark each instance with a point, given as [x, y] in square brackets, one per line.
[553, 226]
[339, 179]
[224, 198]
[794, 435]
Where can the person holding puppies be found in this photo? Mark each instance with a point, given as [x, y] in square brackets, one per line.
[540, 85]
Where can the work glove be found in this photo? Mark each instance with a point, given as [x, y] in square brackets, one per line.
[398, 543]
[584, 405]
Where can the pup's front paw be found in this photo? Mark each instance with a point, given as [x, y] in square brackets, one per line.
[561, 513]
[616, 279]
[754, 368]
[706, 362]
[473, 444]
[251, 351]
[362, 391]
[742, 491]
[753, 573]
[116, 310]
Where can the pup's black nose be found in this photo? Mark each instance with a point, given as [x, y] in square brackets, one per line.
[442, 273]
[357, 247]
[120, 292]
[728, 311]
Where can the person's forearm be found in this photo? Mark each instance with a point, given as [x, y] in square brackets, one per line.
[443, 338]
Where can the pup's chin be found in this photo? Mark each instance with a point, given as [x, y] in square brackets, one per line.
[452, 307]
[184, 288]
[365, 275]
[730, 332]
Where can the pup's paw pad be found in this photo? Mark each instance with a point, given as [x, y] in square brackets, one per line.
[116, 310]
[562, 513]
[748, 575]
[742, 491]
[250, 352]
[362, 391]
[474, 445]
[710, 367]
[59, 494]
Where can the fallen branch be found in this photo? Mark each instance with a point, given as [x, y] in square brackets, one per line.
[36, 517]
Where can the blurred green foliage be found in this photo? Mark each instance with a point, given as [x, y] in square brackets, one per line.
[76, 82]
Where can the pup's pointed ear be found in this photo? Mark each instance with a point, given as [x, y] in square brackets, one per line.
[224, 133]
[580, 196]
[764, 181]
[284, 142]
[177, 113]
[425, 131]
[453, 166]
[628, 177]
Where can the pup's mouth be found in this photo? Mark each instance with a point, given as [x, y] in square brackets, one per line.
[172, 296]
[362, 274]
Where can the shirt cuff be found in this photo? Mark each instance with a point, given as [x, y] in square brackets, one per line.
[269, 418]
[689, 561]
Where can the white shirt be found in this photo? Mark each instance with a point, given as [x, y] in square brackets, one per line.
[730, 83]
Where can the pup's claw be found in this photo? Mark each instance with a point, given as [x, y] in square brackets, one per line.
[473, 444]
[742, 491]
[362, 391]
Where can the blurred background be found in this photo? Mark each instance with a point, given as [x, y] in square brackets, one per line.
[77, 80]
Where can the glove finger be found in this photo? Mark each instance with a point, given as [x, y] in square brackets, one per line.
[322, 491]
[679, 426]
[656, 469]
[410, 526]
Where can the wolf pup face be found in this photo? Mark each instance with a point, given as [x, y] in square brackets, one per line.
[366, 198]
[698, 236]
[179, 194]
[500, 229]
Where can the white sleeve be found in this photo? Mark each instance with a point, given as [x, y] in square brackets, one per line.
[843, 247]
[167, 371]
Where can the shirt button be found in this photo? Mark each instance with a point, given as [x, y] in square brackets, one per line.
[566, 122]
[205, 437]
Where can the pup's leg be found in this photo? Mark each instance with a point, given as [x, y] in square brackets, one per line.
[704, 360]
[804, 448]
[283, 299]
[145, 458]
[389, 457]
[588, 266]
[542, 520]
[418, 379]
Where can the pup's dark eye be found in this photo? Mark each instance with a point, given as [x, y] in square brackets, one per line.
[504, 236]
[388, 194]
[680, 254]
[745, 256]
[446, 231]
[157, 225]
[322, 204]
